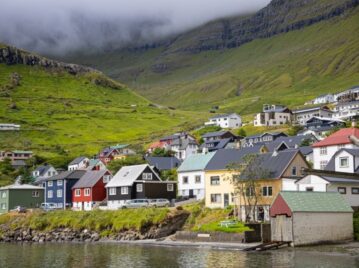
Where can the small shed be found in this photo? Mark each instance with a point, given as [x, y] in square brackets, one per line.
[305, 218]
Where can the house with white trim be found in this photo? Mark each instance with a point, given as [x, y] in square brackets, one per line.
[232, 120]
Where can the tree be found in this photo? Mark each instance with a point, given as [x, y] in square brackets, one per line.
[242, 132]
[293, 131]
[162, 152]
[170, 175]
[245, 176]
[116, 165]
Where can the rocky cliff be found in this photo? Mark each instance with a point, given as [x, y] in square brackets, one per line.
[12, 55]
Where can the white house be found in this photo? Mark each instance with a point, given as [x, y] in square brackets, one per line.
[4, 127]
[183, 148]
[346, 110]
[352, 94]
[301, 116]
[81, 162]
[272, 115]
[324, 150]
[348, 187]
[43, 172]
[232, 120]
[323, 99]
[191, 175]
[345, 160]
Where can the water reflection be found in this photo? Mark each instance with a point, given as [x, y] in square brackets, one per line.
[117, 255]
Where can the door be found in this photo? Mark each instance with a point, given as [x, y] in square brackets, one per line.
[226, 200]
[282, 228]
[190, 193]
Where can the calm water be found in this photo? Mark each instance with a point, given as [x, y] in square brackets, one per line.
[120, 255]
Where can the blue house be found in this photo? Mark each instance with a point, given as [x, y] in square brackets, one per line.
[58, 188]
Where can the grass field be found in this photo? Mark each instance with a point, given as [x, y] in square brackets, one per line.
[289, 68]
[68, 115]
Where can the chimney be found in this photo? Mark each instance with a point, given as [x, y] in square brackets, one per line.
[204, 150]
[275, 153]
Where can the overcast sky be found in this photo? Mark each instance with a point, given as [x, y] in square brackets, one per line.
[59, 26]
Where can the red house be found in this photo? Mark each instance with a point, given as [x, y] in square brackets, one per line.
[108, 154]
[90, 189]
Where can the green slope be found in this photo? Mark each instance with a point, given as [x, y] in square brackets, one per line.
[63, 114]
[290, 68]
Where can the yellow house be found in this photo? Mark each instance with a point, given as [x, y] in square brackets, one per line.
[281, 170]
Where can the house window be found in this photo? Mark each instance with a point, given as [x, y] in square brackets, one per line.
[340, 146]
[49, 183]
[50, 194]
[355, 190]
[3, 194]
[35, 194]
[124, 190]
[343, 162]
[342, 190]
[59, 193]
[309, 189]
[112, 191]
[267, 191]
[215, 180]
[106, 178]
[87, 192]
[139, 187]
[78, 192]
[323, 150]
[198, 179]
[170, 187]
[294, 171]
[323, 164]
[49, 173]
[216, 198]
[250, 191]
[3, 205]
[147, 176]
[185, 180]
[59, 182]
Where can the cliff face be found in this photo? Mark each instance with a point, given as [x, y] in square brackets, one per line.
[11, 55]
[279, 16]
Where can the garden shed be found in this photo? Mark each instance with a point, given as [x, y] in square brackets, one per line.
[305, 218]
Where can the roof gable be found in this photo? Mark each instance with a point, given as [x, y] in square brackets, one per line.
[89, 179]
[342, 136]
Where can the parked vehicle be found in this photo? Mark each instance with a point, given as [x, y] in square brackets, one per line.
[48, 206]
[19, 209]
[136, 203]
[159, 203]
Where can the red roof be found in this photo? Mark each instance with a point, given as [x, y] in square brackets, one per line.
[339, 137]
[158, 144]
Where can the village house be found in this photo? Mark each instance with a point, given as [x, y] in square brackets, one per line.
[301, 116]
[324, 99]
[213, 141]
[346, 110]
[138, 182]
[352, 94]
[305, 218]
[261, 138]
[81, 162]
[183, 148]
[232, 120]
[43, 172]
[7, 127]
[108, 154]
[272, 115]
[348, 186]
[24, 195]
[191, 175]
[290, 142]
[163, 163]
[15, 155]
[58, 188]
[319, 127]
[96, 164]
[344, 160]
[90, 190]
[324, 150]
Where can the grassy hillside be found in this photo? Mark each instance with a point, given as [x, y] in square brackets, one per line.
[63, 114]
[288, 68]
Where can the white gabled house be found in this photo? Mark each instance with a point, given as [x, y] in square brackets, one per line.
[324, 150]
[191, 175]
[44, 172]
[232, 120]
[81, 162]
[272, 115]
[301, 116]
[323, 99]
[345, 160]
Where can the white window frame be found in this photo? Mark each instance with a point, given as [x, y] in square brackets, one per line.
[183, 179]
[265, 191]
[323, 164]
[147, 176]
[323, 151]
[340, 162]
[59, 193]
[50, 183]
[3, 205]
[59, 182]
[3, 194]
[170, 187]
[216, 200]
[50, 194]
[87, 192]
[35, 194]
[124, 190]
[215, 177]
[77, 192]
[112, 191]
[196, 177]
[139, 187]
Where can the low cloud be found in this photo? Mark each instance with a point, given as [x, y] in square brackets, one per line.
[57, 27]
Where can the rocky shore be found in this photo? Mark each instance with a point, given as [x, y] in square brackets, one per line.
[25, 234]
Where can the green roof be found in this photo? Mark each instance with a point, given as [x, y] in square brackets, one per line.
[316, 202]
[195, 162]
[119, 146]
[22, 152]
